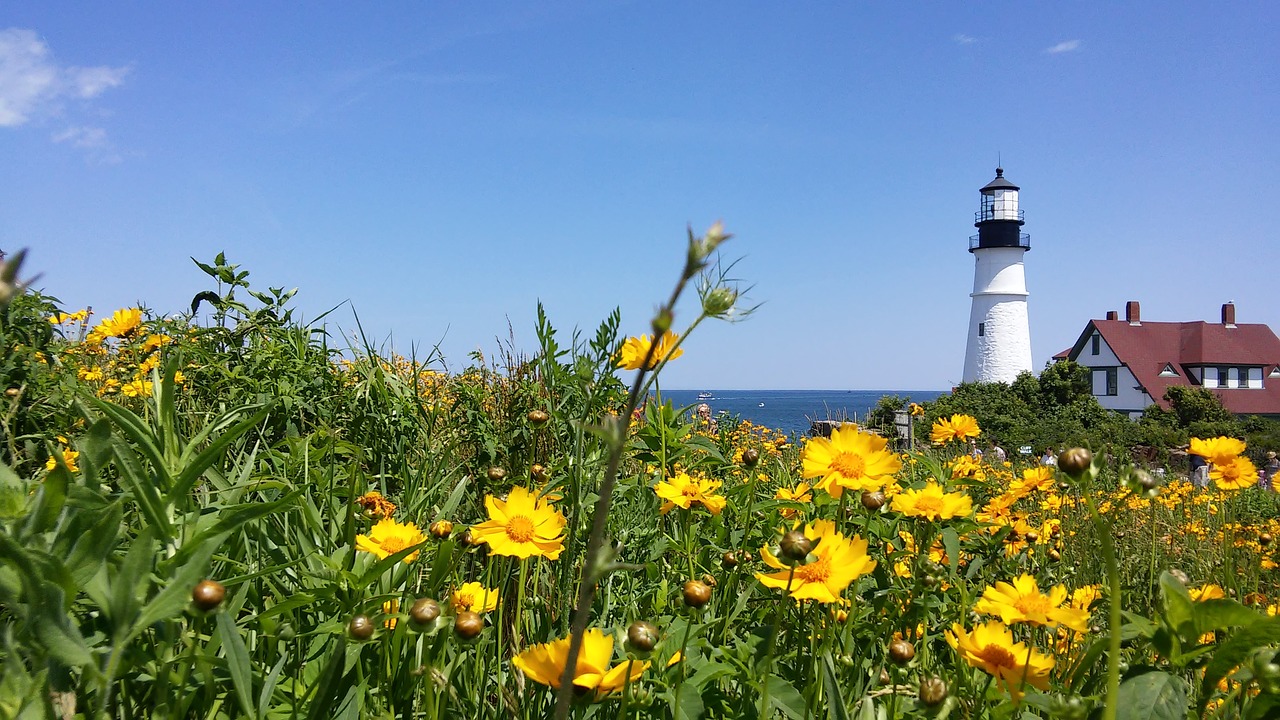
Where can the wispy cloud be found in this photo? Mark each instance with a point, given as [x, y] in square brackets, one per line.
[962, 39]
[33, 86]
[1065, 46]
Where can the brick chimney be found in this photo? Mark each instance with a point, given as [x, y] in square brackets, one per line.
[1113, 315]
[1132, 313]
[1229, 314]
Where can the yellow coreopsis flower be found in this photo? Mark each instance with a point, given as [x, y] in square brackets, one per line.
[916, 409]
[136, 388]
[1039, 478]
[957, 427]
[801, 494]
[1012, 664]
[1236, 473]
[154, 341]
[545, 664]
[389, 537]
[849, 459]
[524, 525]
[685, 492]
[68, 456]
[1022, 601]
[1219, 450]
[931, 503]
[122, 323]
[635, 349]
[1206, 592]
[837, 562]
[475, 597]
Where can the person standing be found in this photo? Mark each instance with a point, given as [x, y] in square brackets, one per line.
[1199, 471]
[1270, 469]
[998, 452]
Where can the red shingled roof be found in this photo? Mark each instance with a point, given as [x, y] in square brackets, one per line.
[1147, 348]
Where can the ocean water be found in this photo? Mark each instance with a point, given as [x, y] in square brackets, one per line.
[792, 411]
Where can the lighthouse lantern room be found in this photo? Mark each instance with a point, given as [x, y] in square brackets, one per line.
[999, 337]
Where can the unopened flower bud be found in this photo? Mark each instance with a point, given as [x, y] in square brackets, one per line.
[360, 627]
[468, 624]
[1075, 461]
[424, 612]
[538, 417]
[538, 473]
[208, 595]
[642, 636]
[719, 300]
[696, 594]
[750, 457]
[873, 499]
[497, 474]
[795, 547]
[440, 529]
[730, 559]
[932, 691]
[901, 651]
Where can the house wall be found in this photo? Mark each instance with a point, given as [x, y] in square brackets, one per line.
[1127, 398]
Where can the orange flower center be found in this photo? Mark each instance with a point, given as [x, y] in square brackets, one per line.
[1033, 604]
[392, 545]
[849, 464]
[690, 491]
[520, 529]
[928, 505]
[464, 601]
[815, 572]
[998, 656]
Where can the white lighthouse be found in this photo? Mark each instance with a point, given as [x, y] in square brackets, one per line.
[999, 340]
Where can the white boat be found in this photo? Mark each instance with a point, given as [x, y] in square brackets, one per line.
[704, 395]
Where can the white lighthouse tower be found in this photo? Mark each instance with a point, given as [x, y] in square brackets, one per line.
[999, 340]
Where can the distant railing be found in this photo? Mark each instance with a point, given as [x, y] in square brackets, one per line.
[1024, 242]
[997, 214]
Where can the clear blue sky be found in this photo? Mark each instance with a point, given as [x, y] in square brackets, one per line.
[444, 166]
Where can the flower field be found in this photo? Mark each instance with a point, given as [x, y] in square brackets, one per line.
[239, 518]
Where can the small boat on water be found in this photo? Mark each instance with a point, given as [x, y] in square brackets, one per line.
[761, 404]
[704, 395]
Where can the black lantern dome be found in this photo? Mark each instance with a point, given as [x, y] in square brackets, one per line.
[999, 221]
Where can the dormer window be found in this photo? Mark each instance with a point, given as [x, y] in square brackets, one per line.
[1168, 371]
[1275, 372]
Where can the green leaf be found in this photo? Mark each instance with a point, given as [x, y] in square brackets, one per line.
[193, 467]
[238, 663]
[951, 543]
[837, 708]
[141, 488]
[94, 543]
[1178, 607]
[229, 520]
[1235, 650]
[137, 431]
[1219, 614]
[173, 598]
[784, 696]
[13, 494]
[1152, 696]
[51, 495]
[690, 707]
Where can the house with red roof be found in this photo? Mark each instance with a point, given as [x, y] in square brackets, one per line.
[1134, 361]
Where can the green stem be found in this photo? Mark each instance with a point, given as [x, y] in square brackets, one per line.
[773, 640]
[1103, 528]
[684, 645]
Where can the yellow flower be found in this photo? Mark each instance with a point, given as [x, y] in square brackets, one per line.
[389, 537]
[916, 409]
[545, 664]
[932, 503]
[800, 494]
[136, 388]
[685, 491]
[121, 324]
[1219, 450]
[633, 352]
[154, 341]
[91, 374]
[475, 597]
[1236, 473]
[1036, 478]
[957, 427]
[849, 459]
[390, 607]
[1022, 601]
[1206, 592]
[991, 647]
[523, 526]
[68, 456]
[837, 562]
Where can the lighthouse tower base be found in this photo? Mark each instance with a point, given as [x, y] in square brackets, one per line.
[999, 346]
